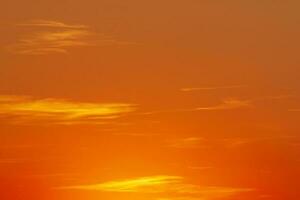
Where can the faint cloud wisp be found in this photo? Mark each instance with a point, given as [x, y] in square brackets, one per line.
[24, 109]
[143, 184]
[41, 37]
[186, 143]
[228, 104]
[53, 24]
[190, 89]
[44, 37]
[162, 186]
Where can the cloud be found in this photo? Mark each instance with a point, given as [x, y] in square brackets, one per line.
[212, 88]
[51, 24]
[60, 111]
[233, 103]
[186, 143]
[173, 186]
[143, 184]
[236, 142]
[228, 104]
[42, 37]
[46, 37]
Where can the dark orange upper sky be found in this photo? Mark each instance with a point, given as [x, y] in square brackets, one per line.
[149, 100]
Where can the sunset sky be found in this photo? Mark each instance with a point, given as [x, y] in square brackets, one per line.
[149, 100]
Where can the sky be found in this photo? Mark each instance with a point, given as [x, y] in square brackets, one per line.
[149, 100]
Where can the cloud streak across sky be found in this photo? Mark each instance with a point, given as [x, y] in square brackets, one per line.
[172, 186]
[44, 37]
[186, 143]
[24, 108]
[228, 104]
[51, 24]
[142, 184]
[191, 89]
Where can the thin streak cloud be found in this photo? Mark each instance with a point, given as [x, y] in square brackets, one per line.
[47, 37]
[228, 104]
[186, 143]
[142, 184]
[51, 24]
[211, 88]
[42, 37]
[173, 186]
[60, 111]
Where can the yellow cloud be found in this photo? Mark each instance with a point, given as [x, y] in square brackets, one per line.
[192, 192]
[52, 42]
[172, 186]
[40, 37]
[228, 104]
[52, 37]
[211, 88]
[143, 184]
[60, 111]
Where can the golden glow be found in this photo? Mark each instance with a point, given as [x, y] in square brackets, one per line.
[132, 185]
[174, 186]
[149, 100]
[60, 111]
[46, 37]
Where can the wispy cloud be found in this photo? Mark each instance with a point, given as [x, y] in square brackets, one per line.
[228, 104]
[40, 37]
[173, 186]
[234, 103]
[190, 89]
[51, 24]
[60, 111]
[238, 142]
[44, 37]
[143, 184]
[186, 143]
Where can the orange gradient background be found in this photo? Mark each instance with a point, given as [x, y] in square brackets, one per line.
[149, 100]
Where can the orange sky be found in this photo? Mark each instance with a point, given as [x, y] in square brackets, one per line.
[149, 100]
